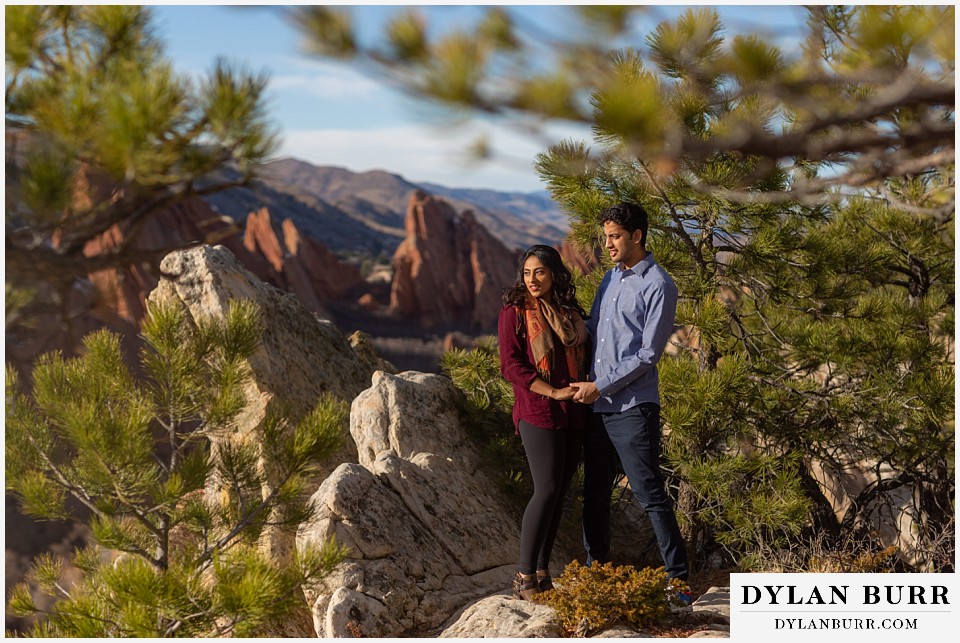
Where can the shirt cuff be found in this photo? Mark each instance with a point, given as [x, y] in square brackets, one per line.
[602, 384]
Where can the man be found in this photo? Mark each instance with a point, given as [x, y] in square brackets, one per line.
[630, 322]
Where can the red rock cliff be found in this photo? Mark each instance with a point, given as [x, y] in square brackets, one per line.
[449, 269]
[295, 262]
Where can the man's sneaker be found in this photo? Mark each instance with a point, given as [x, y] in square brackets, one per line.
[679, 594]
[685, 598]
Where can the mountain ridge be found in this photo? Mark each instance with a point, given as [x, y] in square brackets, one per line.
[363, 212]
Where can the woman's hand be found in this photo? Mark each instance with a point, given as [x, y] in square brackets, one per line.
[561, 394]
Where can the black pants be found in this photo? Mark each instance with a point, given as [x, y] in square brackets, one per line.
[553, 455]
[634, 437]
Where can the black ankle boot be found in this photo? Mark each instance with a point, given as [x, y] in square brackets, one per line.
[544, 580]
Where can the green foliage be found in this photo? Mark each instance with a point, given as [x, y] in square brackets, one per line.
[754, 502]
[140, 457]
[830, 103]
[102, 132]
[489, 412]
[591, 599]
[477, 373]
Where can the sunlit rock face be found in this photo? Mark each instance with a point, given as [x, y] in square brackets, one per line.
[427, 529]
[296, 262]
[449, 270]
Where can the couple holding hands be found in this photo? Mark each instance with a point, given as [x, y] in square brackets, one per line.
[588, 384]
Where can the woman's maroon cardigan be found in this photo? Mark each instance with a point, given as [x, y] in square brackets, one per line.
[516, 364]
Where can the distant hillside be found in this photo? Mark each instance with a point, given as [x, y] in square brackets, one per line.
[535, 207]
[364, 212]
[331, 226]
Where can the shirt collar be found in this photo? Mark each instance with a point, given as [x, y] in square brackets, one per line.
[640, 267]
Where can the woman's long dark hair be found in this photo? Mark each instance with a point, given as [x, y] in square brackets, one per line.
[564, 291]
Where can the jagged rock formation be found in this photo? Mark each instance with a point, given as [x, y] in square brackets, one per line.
[298, 263]
[449, 269]
[378, 200]
[425, 526]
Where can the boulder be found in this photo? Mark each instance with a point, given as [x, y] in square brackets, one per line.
[622, 632]
[426, 529]
[710, 634]
[715, 602]
[503, 616]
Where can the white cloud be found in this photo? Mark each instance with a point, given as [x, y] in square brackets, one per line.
[431, 154]
[324, 79]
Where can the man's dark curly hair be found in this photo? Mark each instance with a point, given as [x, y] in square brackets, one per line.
[564, 292]
[629, 216]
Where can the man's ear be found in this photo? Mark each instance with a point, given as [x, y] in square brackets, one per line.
[638, 237]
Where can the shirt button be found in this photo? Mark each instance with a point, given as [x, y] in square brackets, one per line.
[598, 361]
[602, 339]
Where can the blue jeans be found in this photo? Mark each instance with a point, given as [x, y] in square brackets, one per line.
[634, 436]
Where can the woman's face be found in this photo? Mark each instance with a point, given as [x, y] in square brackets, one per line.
[537, 277]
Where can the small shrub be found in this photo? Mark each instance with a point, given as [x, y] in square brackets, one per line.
[590, 599]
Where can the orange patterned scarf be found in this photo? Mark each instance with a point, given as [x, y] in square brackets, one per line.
[540, 317]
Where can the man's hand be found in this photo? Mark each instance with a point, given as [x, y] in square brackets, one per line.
[587, 392]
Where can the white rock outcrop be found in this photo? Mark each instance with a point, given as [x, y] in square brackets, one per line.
[301, 355]
[427, 531]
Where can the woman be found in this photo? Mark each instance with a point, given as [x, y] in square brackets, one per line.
[544, 347]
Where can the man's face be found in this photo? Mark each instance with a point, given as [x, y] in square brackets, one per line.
[624, 247]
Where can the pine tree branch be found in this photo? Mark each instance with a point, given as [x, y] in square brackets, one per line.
[248, 517]
[680, 231]
[866, 172]
[76, 491]
[132, 211]
[26, 262]
[157, 561]
[906, 91]
[61, 589]
[941, 215]
[61, 610]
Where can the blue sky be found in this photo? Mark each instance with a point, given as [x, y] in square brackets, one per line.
[330, 113]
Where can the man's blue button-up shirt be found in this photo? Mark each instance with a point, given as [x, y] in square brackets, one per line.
[630, 322]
